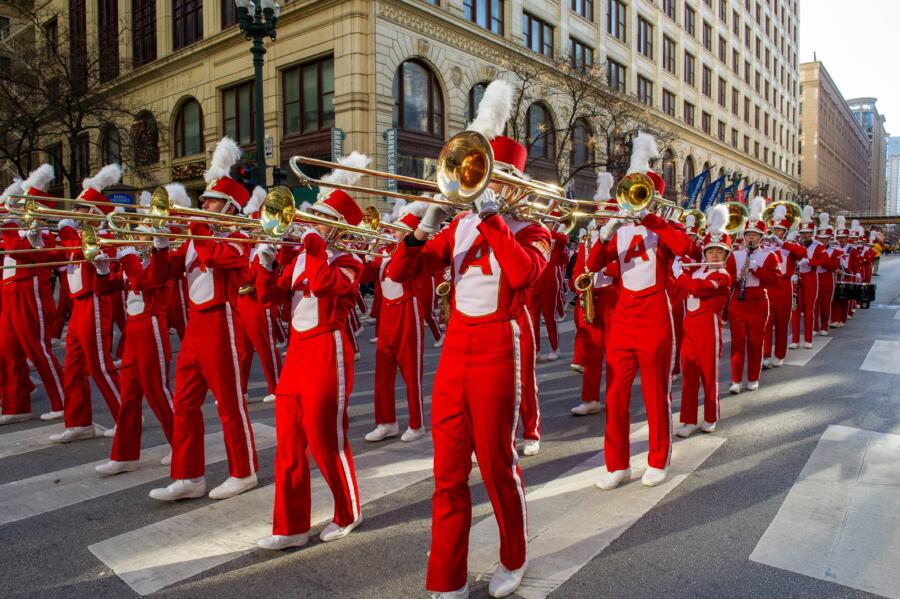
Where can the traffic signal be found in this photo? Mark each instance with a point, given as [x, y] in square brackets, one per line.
[244, 174]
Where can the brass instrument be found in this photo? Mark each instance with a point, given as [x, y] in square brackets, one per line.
[699, 219]
[162, 211]
[584, 283]
[738, 215]
[32, 211]
[707, 264]
[793, 212]
[443, 293]
[636, 192]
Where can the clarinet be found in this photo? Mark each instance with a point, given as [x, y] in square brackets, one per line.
[744, 272]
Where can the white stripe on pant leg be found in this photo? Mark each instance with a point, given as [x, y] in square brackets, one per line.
[272, 348]
[184, 310]
[768, 315]
[161, 354]
[520, 486]
[98, 332]
[42, 342]
[339, 361]
[716, 358]
[533, 377]
[239, 392]
[669, 377]
[420, 334]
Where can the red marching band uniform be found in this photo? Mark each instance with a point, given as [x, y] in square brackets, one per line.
[847, 271]
[813, 257]
[825, 274]
[783, 291]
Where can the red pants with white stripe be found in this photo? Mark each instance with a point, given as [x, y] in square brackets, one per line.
[209, 360]
[259, 331]
[640, 336]
[839, 310]
[427, 301]
[747, 322]
[88, 353]
[580, 356]
[177, 310]
[594, 342]
[312, 411]
[117, 310]
[678, 310]
[144, 373]
[779, 321]
[806, 307]
[61, 307]
[823, 302]
[400, 336]
[530, 410]
[24, 333]
[541, 301]
[700, 352]
[475, 405]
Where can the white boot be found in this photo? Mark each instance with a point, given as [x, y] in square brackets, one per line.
[686, 430]
[109, 433]
[793, 346]
[439, 342]
[815, 333]
[610, 480]
[587, 407]
[462, 593]
[777, 363]
[383, 431]
[577, 367]
[185, 488]
[270, 398]
[413, 434]
[166, 459]
[653, 476]
[233, 486]
[333, 532]
[373, 340]
[505, 582]
[531, 447]
[767, 363]
[76, 433]
[280, 542]
[51, 415]
[13, 418]
[752, 385]
[807, 345]
[113, 467]
[708, 427]
[823, 333]
[735, 388]
[551, 357]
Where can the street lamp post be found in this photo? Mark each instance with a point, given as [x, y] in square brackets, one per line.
[257, 22]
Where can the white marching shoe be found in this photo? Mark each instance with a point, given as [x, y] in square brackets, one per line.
[413, 434]
[51, 415]
[531, 447]
[550, 357]
[777, 362]
[587, 407]
[752, 385]
[505, 582]
[270, 398]
[610, 480]
[333, 532]
[815, 333]
[113, 467]
[373, 340]
[686, 430]
[280, 542]
[462, 593]
[382, 432]
[767, 363]
[654, 476]
[439, 342]
[233, 486]
[793, 346]
[708, 427]
[166, 459]
[577, 367]
[735, 388]
[184, 488]
[823, 333]
[109, 433]
[13, 418]
[807, 345]
[76, 433]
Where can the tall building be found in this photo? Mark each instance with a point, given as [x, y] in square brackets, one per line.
[892, 175]
[396, 78]
[834, 148]
[873, 123]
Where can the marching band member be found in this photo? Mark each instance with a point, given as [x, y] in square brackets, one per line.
[314, 392]
[849, 266]
[809, 281]
[543, 295]
[209, 357]
[782, 292]
[400, 338]
[89, 336]
[677, 298]
[578, 353]
[475, 401]
[145, 360]
[752, 269]
[706, 290]
[604, 294]
[27, 312]
[640, 334]
[825, 274]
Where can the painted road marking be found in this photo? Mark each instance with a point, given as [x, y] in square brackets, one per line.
[801, 356]
[883, 356]
[28, 440]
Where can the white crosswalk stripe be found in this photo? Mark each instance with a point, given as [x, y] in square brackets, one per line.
[56, 490]
[883, 356]
[801, 356]
[28, 440]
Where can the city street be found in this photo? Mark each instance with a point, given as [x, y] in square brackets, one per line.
[795, 495]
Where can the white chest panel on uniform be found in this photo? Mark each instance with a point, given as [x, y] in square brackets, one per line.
[810, 252]
[601, 279]
[757, 259]
[693, 302]
[304, 304]
[390, 289]
[73, 274]
[201, 282]
[8, 273]
[637, 248]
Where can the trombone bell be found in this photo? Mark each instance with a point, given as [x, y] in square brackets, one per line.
[465, 167]
[634, 192]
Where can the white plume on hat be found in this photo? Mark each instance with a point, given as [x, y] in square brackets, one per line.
[823, 220]
[493, 110]
[854, 225]
[717, 220]
[807, 214]
[341, 177]
[226, 155]
[757, 205]
[15, 188]
[417, 209]
[605, 182]
[643, 150]
[840, 222]
[256, 200]
[145, 198]
[106, 176]
[779, 213]
[39, 178]
[178, 195]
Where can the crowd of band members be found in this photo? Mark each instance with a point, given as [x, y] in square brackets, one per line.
[230, 298]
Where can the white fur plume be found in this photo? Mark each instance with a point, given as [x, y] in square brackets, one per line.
[39, 178]
[854, 225]
[840, 222]
[256, 200]
[106, 176]
[145, 198]
[226, 155]
[823, 220]
[342, 177]
[643, 150]
[417, 209]
[604, 186]
[806, 215]
[689, 221]
[717, 220]
[757, 205]
[178, 195]
[14, 189]
[493, 110]
[779, 213]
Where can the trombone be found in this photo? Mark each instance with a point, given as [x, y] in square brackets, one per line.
[32, 211]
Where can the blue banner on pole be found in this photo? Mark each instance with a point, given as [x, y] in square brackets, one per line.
[713, 193]
[745, 194]
[693, 188]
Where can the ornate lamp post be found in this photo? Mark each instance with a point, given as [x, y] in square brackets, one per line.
[258, 21]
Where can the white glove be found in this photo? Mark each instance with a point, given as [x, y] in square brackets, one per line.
[434, 216]
[777, 240]
[266, 255]
[804, 263]
[486, 204]
[160, 243]
[101, 263]
[34, 236]
[677, 268]
[66, 222]
[612, 225]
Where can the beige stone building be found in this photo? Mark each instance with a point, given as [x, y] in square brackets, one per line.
[872, 122]
[834, 156]
[396, 78]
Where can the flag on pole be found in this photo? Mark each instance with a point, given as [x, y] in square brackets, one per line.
[745, 194]
[694, 186]
[713, 193]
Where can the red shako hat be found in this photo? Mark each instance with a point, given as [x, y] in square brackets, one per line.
[92, 187]
[219, 183]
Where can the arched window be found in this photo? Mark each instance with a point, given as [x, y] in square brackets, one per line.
[475, 95]
[110, 145]
[540, 133]
[668, 174]
[145, 139]
[688, 172]
[189, 129]
[418, 103]
[582, 144]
